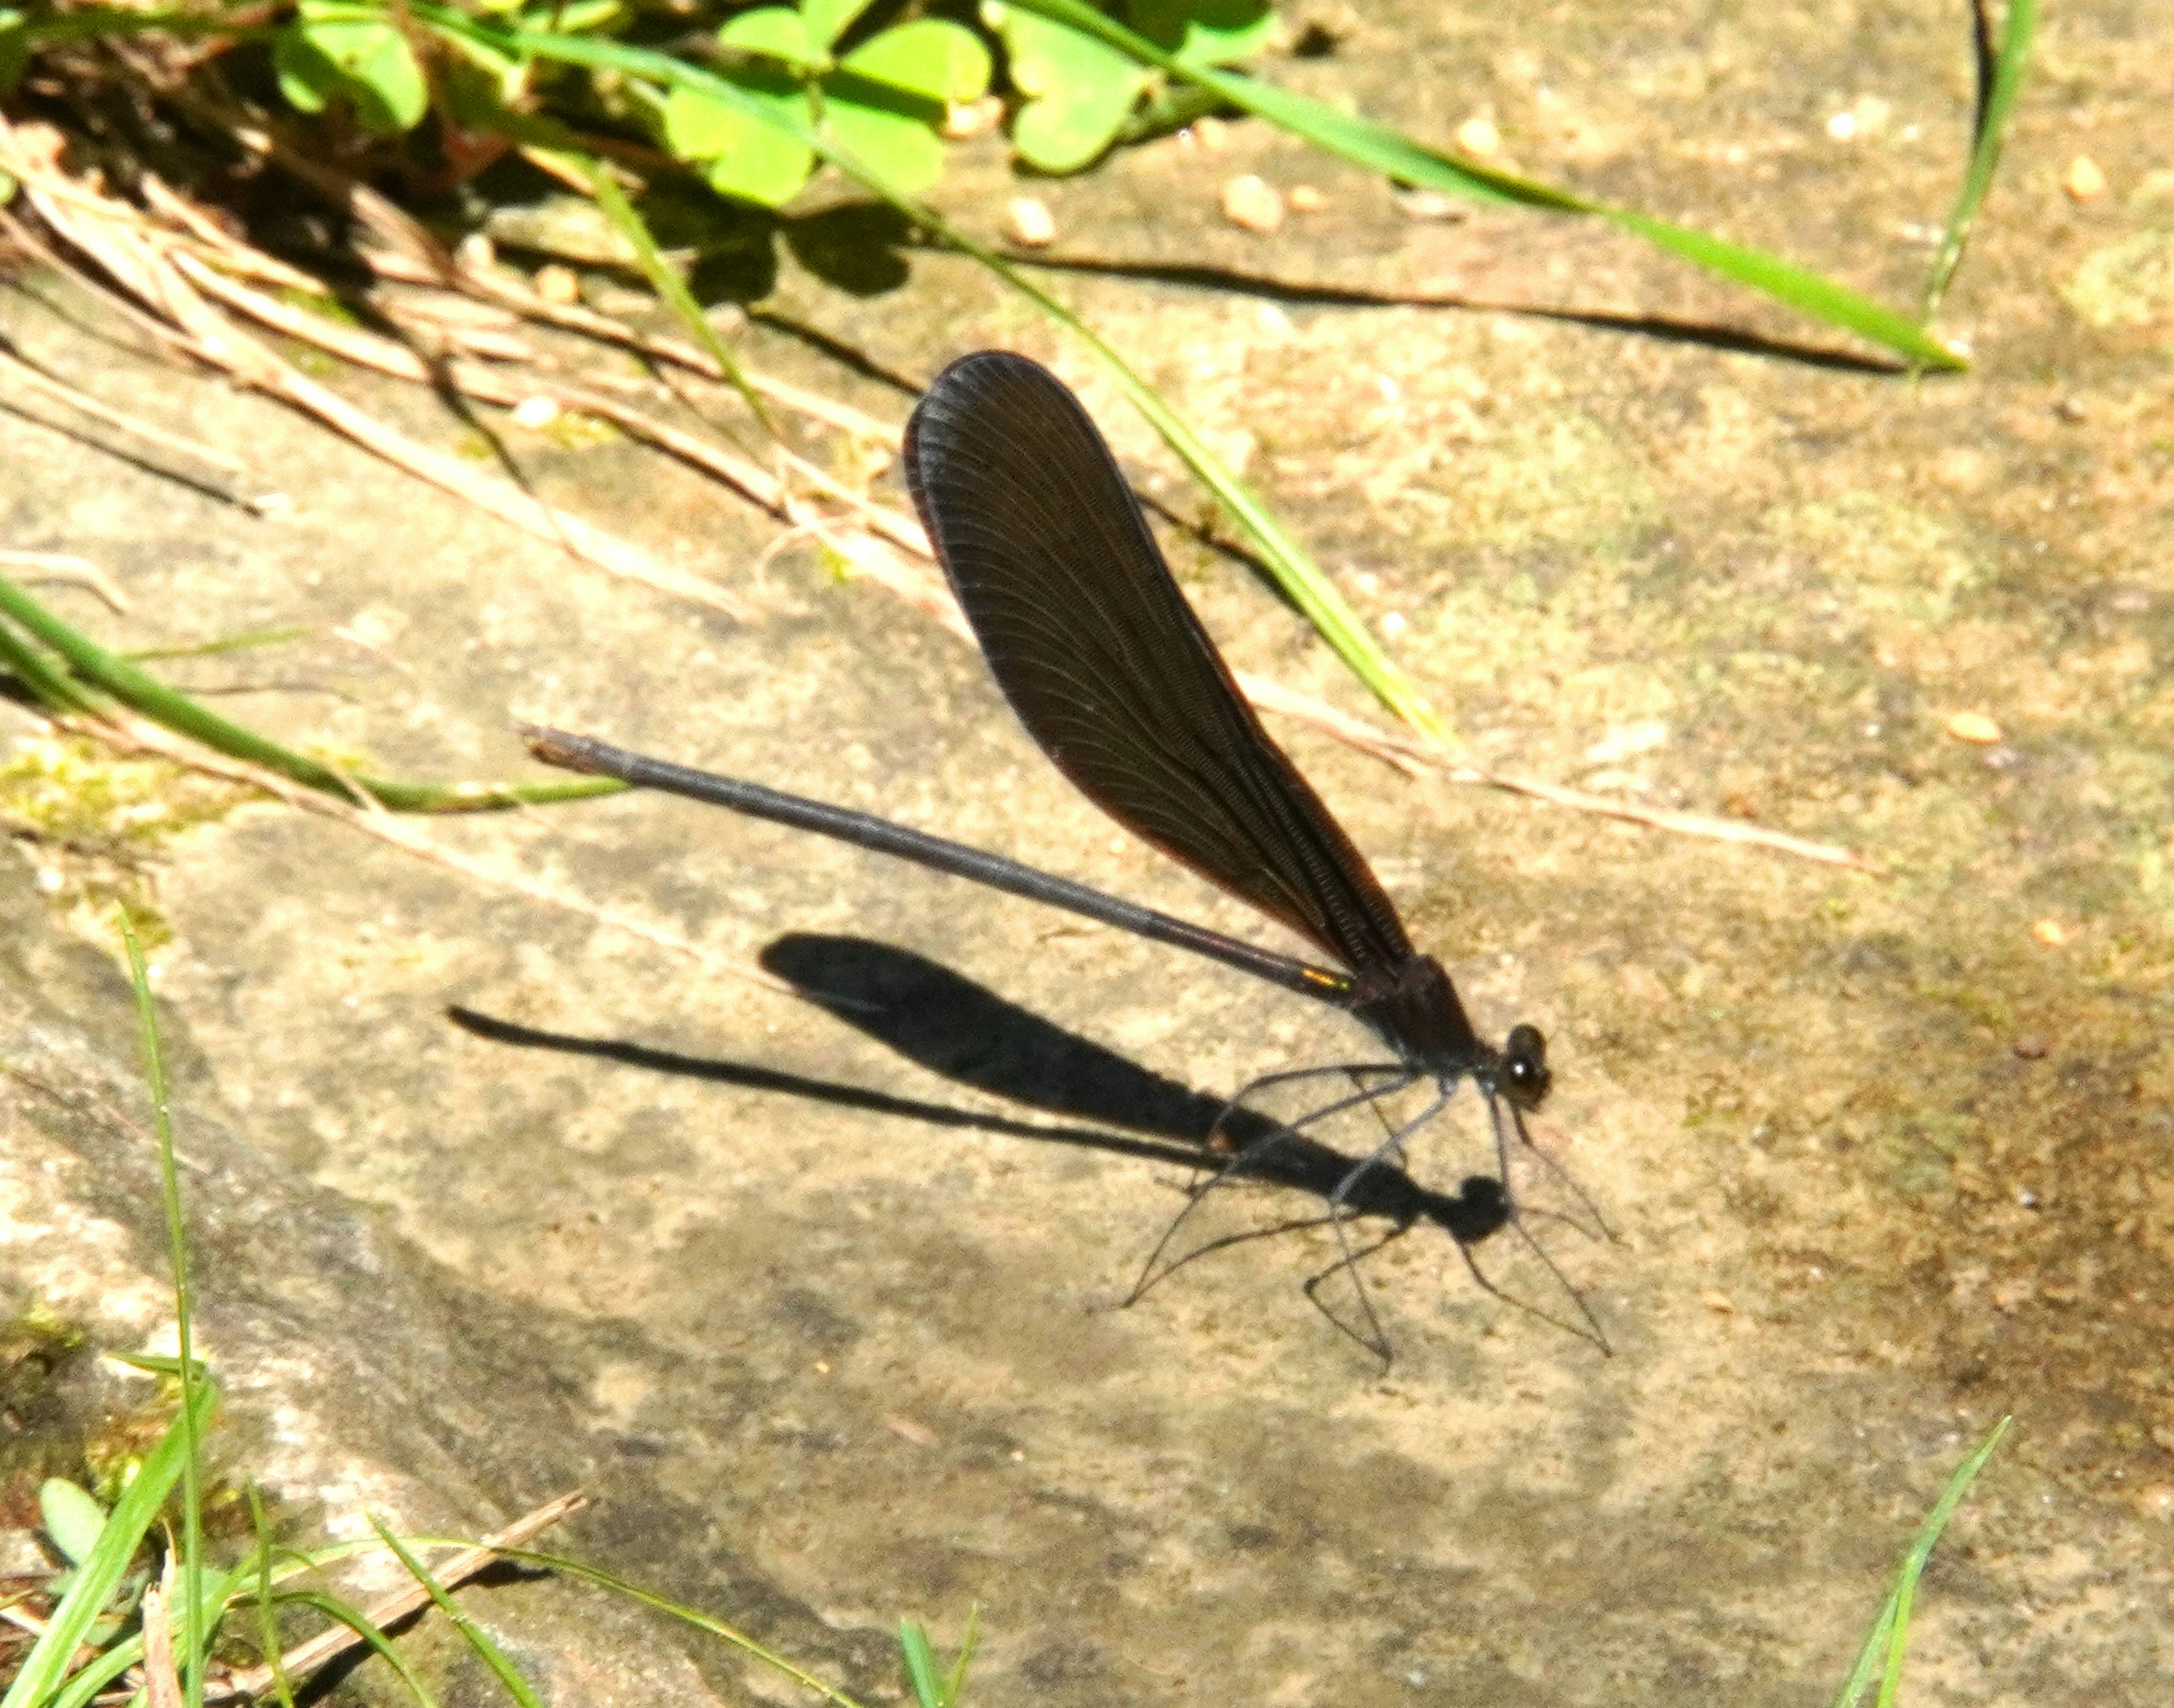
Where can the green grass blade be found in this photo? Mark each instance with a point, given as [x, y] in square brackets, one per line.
[1996, 102]
[134, 1514]
[54, 690]
[243, 643]
[932, 1687]
[343, 1612]
[1302, 580]
[268, 1625]
[92, 1678]
[958, 1681]
[921, 1671]
[149, 698]
[1882, 1650]
[193, 1643]
[686, 1615]
[1381, 149]
[664, 279]
[476, 1637]
[1808, 292]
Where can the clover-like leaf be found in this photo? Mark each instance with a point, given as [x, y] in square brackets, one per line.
[829, 19]
[932, 57]
[777, 32]
[901, 148]
[1078, 91]
[351, 52]
[1206, 32]
[72, 1517]
[746, 158]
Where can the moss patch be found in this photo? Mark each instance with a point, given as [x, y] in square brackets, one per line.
[2127, 283]
[93, 818]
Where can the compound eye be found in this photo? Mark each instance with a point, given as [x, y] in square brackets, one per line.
[1525, 1066]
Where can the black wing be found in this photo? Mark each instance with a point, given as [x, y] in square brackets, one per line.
[1106, 665]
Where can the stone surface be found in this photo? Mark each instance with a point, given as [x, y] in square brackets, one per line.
[820, 1309]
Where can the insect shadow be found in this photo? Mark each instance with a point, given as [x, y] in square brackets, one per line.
[947, 1023]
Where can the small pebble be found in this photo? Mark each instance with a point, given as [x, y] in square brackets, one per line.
[2084, 181]
[1479, 138]
[557, 284]
[476, 252]
[1032, 225]
[1212, 135]
[1431, 204]
[1973, 726]
[2071, 410]
[536, 413]
[2051, 933]
[1865, 117]
[20, 1555]
[963, 120]
[1304, 198]
[1253, 204]
[2030, 1047]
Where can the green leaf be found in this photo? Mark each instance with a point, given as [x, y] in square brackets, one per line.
[1298, 577]
[345, 51]
[1206, 32]
[776, 33]
[829, 19]
[749, 158]
[932, 57]
[87, 1680]
[72, 1516]
[903, 148]
[134, 1514]
[1383, 150]
[1078, 91]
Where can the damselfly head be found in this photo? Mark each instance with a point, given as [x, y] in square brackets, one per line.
[1524, 1078]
